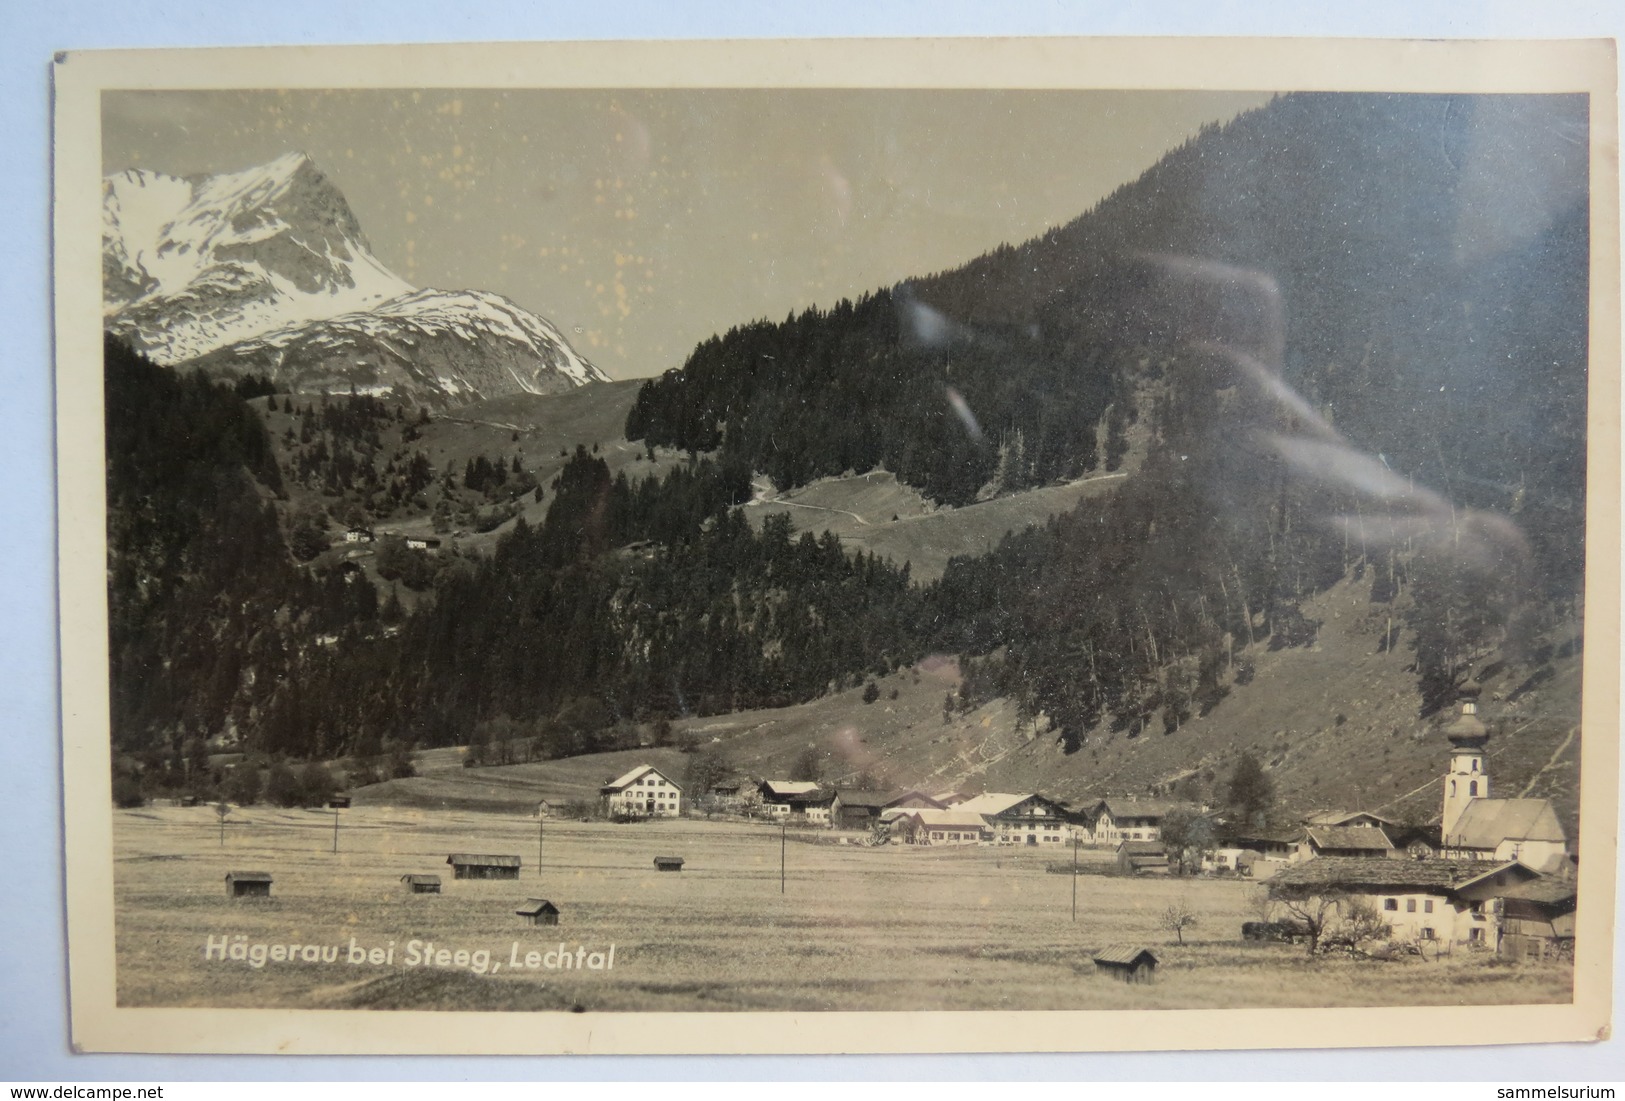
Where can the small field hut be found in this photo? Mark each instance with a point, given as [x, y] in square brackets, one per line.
[474, 866]
[669, 863]
[248, 884]
[421, 884]
[341, 801]
[1127, 962]
[539, 911]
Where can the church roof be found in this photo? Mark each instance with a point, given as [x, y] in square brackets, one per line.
[1485, 823]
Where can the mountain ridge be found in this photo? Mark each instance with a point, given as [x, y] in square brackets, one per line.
[267, 271]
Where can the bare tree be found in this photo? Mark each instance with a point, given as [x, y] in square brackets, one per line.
[1362, 921]
[1178, 917]
[1315, 908]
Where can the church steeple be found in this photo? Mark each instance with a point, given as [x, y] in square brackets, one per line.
[1468, 778]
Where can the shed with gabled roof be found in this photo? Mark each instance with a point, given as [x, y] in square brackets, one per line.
[1142, 858]
[1127, 963]
[539, 911]
[248, 884]
[480, 866]
[421, 884]
[669, 863]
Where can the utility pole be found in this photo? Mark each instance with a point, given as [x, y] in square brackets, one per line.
[784, 826]
[1074, 875]
[335, 831]
[540, 824]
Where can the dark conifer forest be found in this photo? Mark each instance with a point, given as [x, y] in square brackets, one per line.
[1329, 344]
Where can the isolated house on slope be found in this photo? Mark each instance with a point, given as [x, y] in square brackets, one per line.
[644, 792]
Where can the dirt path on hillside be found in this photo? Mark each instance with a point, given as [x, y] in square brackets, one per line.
[1551, 762]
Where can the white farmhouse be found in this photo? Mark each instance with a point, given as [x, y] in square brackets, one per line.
[645, 792]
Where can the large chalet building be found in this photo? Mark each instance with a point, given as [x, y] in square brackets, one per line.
[644, 792]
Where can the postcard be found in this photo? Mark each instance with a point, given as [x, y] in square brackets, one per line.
[839, 546]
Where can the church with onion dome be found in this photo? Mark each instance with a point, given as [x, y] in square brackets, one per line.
[1475, 826]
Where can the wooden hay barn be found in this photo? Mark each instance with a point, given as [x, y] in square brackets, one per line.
[422, 884]
[1142, 858]
[1127, 962]
[248, 884]
[539, 911]
[669, 863]
[341, 801]
[474, 866]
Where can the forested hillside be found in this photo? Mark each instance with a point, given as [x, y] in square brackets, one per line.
[1335, 367]
[1363, 246]
[1354, 354]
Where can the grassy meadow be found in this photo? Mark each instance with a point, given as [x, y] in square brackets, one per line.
[857, 928]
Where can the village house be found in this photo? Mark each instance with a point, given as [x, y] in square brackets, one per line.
[1537, 917]
[1350, 818]
[945, 826]
[798, 801]
[358, 535]
[1451, 901]
[726, 796]
[643, 792]
[1343, 841]
[861, 810]
[1256, 853]
[1120, 819]
[1020, 819]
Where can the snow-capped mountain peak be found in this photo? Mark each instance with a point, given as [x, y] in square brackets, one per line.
[232, 268]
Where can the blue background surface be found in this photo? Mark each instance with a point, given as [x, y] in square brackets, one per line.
[33, 983]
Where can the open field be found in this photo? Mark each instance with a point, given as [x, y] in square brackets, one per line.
[856, 929]
[874, 512]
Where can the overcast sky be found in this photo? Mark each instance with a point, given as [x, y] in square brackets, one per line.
[641, 222]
